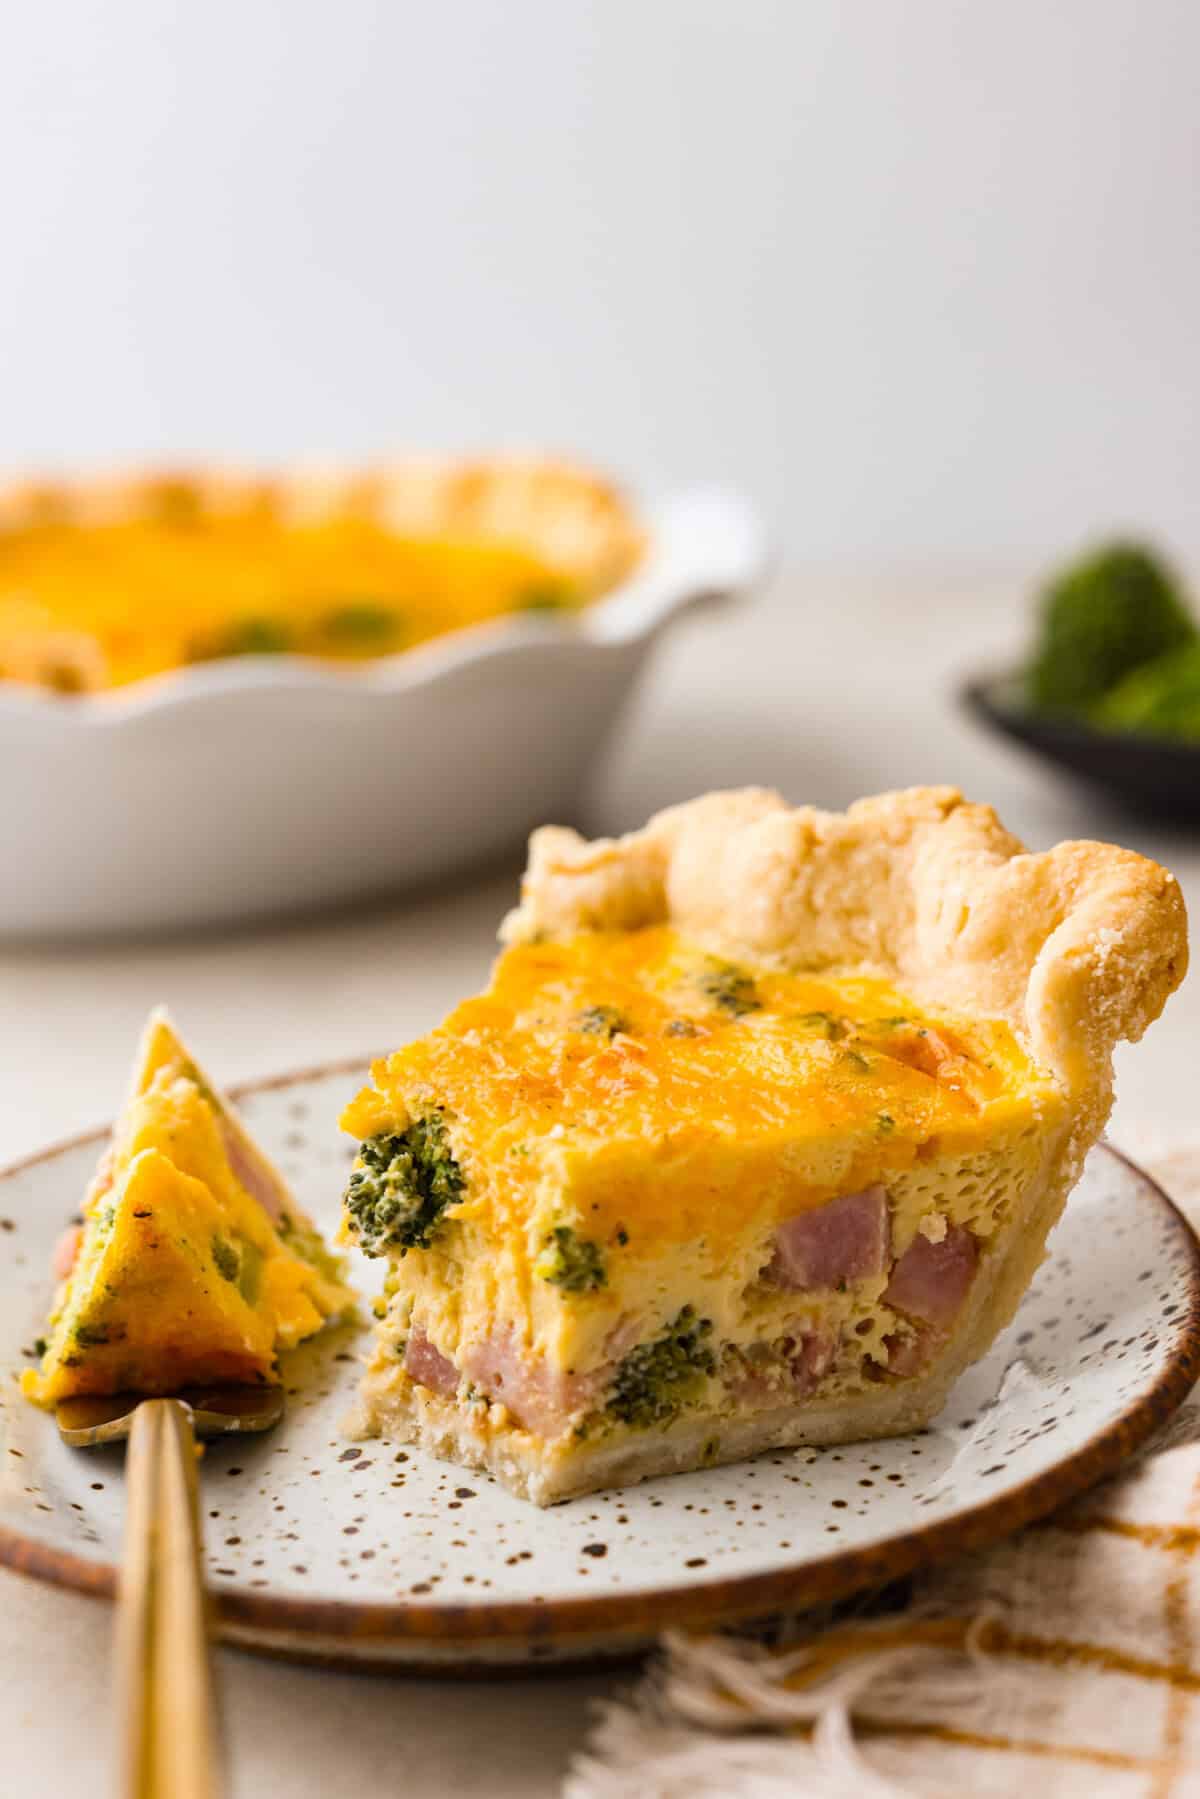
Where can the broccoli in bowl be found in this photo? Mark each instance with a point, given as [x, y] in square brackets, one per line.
[1101, 617]
[1159, 699]
[1118, 646]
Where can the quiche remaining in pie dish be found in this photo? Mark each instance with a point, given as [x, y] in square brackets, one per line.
[754, 1140]
[102, 584]
[193, 1264]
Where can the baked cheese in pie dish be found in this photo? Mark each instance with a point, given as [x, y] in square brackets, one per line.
[192, 1263]
[103, 583]
[755, 1138]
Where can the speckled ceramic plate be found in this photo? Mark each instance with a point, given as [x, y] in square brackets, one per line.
[377, 1556]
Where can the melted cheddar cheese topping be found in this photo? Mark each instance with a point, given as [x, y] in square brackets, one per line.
[623, 1062]
[86, 606]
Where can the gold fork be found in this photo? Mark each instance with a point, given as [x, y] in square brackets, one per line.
[165, 1697]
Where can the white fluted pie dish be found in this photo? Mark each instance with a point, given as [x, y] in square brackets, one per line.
[241, 789]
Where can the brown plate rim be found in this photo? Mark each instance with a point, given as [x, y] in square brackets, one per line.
[638, 1615]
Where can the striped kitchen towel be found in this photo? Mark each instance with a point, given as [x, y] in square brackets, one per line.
[1065, 1662]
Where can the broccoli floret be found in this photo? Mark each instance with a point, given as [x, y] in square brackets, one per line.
[91, 1336]
[227, 1259]
[571, 1262]
[656, 1380]
[360, 625]
[825, 1025]
[599, 1021]
[239, 1262]
[1105, 615]
[401, 1185]
[249, 1278]
[547, 595]
[1161, 699]
[730, 988]
[249, 636]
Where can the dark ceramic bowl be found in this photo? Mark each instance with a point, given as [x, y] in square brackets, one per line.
[1153, 774]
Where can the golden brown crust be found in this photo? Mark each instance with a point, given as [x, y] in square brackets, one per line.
[576, 522]
[1077, 948]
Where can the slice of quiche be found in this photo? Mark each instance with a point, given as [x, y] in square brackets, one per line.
[193, 1263]
[755, 1138]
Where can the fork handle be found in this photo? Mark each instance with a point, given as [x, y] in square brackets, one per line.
[166, 1704]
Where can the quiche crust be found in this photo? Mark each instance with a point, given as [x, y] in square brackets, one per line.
[1032, 966]
[1078, 948]
[580, 522]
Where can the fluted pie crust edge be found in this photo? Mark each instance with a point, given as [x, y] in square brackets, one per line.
[579, 523]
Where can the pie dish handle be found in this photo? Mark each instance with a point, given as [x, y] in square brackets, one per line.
[707, 546]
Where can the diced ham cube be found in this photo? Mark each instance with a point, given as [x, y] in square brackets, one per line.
[540, 1397]
[811, 1361]
[909, 1355]
[259, 1180]
[931, 1280]
[428, 1366]
[925, 1049]
[845, 1240]
[66, 1251]
[755, 1383]
[101, 1182]
[783, 1378]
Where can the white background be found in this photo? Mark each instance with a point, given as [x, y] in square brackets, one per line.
[924, 275]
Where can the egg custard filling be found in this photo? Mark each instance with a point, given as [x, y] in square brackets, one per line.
[192, 1263]
[667, 1193]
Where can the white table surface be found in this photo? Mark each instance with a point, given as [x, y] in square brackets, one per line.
[832, 686]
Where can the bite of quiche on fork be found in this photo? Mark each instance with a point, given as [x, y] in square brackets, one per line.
[754, 1140]
[192, 1263]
